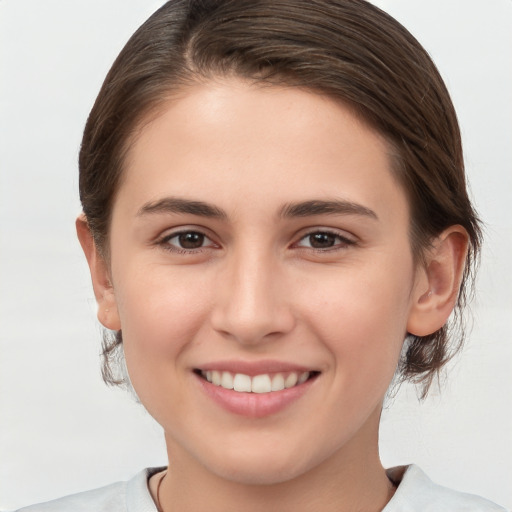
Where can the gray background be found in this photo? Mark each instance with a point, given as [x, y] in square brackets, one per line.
[61, 430]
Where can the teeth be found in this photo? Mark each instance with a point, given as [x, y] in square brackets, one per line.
[258, 384]
[216, 378]
[261, 384]
[303, 377]
[277, 382]
[227, 380]
[291, 380]
[242, 383]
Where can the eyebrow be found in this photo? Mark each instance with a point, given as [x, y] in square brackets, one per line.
[290, 210]
[179, 205]
[331, 207]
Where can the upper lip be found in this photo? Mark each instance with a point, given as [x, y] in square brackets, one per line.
[253, 368]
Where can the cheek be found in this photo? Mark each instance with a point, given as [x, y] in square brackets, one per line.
[361, 318]
[158, 299]
[160, 312]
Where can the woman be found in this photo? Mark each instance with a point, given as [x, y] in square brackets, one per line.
[274, 200]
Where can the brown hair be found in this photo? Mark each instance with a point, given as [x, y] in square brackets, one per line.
[348, 50]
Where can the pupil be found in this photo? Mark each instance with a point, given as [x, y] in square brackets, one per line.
[322, 240]
[191, 240]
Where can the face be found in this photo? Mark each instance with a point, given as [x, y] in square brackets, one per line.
[259, 240]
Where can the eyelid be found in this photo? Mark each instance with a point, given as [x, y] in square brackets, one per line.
[345, 238]
[163, 239]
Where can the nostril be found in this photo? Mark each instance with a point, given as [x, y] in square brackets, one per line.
[252, 326]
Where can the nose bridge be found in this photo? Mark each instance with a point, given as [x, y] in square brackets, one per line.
[252, 305]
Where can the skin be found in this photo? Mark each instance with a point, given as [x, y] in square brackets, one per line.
[255, 289]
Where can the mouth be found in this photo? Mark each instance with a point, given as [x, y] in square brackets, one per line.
[256, 389]
[263, 383]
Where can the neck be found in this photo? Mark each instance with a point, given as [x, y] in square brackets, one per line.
[352, 479]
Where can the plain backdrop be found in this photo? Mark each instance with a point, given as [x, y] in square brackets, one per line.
[61, 429]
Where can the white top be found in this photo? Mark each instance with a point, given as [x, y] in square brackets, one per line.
[415, 493]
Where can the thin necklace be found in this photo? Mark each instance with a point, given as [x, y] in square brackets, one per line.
[158, 506]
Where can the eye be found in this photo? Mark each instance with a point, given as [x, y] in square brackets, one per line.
[324, 240]
[186, 241]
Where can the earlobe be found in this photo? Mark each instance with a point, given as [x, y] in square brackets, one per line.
[438, 282]
[100, 275]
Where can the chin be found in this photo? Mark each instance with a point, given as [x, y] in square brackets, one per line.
[250, 474]
[262, 466]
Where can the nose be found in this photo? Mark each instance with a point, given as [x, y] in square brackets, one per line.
[253, 302]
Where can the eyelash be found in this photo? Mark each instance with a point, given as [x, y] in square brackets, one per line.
[343, 242]
[164, 242]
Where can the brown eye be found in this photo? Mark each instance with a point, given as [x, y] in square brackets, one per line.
[191, 240]
[186, 241]
[322, 240]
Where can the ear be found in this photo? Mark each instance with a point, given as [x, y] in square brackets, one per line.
[438, 282]
[103, 290]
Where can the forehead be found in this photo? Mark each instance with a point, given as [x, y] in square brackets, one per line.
[229, 140]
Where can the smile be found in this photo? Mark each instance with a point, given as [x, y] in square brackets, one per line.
[255, 390]
[264, 383]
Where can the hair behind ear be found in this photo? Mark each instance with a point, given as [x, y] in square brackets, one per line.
[436, 295]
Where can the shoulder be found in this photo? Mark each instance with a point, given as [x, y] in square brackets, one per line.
[130, 496]
[109, 498]
[416, 492]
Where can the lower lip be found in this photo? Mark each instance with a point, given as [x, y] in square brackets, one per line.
[254, 405]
